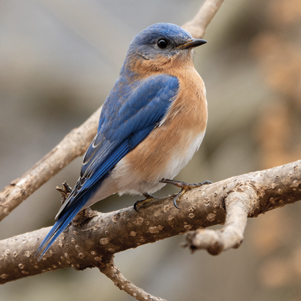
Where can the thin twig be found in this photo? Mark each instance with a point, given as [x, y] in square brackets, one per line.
[111, 271]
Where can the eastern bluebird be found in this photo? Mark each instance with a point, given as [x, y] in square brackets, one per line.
[151, 124]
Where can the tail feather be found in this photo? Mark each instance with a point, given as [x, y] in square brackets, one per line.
[58, 228]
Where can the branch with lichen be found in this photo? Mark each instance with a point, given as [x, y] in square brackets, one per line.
[94, 237]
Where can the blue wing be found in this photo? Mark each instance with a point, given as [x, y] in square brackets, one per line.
[124, 122]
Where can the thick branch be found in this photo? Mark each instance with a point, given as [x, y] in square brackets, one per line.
[86, 244]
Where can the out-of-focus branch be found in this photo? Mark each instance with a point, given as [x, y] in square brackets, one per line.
[78, 140]
[72, 146]
[199, 23]
[111, 271]
[94, 239]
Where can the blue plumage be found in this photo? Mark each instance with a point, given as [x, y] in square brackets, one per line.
[134, 116]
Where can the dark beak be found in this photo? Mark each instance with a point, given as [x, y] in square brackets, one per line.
[193, 43]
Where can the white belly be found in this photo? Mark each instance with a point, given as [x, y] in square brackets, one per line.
[128, 181]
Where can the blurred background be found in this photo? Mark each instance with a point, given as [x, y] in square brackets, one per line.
[58, 62]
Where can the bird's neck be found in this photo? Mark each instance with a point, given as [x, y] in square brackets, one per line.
[136, 67]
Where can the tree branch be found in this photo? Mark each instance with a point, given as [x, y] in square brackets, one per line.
[95, 237]
[238, 205]
[197, 26]
[71, 147]
[112, 272]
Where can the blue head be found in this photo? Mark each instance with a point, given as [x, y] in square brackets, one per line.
[160, 45]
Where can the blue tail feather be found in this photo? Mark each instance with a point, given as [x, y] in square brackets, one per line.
[58, 228]
[91, 184]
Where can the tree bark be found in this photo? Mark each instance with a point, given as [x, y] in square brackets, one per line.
[94, 237]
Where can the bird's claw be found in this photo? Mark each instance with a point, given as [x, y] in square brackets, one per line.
[184, 187]
[176, 198]
[148, 198]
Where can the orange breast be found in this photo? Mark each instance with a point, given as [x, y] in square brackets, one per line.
[182, 130]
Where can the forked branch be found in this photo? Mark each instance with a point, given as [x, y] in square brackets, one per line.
[89, 241]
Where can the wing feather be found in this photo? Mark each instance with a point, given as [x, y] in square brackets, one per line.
[124, 122]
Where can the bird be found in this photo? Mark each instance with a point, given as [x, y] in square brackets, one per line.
[151, 124]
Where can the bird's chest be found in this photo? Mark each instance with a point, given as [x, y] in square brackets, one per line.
[169, 147]
[181, 153]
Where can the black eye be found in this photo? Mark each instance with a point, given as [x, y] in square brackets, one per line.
[162, 43]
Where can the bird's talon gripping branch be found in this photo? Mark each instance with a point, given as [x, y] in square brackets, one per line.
[184, 187]
[177, 197]
[148, 198]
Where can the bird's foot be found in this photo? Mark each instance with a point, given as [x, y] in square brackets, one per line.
[65, 191]
[148, 198]
[184, 187]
